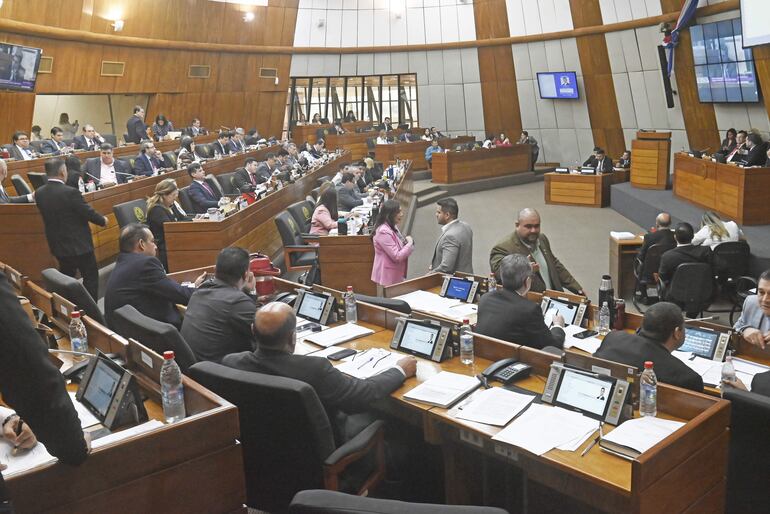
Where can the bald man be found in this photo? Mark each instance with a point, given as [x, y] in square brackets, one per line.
[527, 240]
[659, 234]
[275, 330]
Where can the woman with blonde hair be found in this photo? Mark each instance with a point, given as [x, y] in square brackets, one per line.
[714, 231]
[162, 208]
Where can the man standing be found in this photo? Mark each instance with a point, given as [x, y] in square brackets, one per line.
[527, 240]
[531, 141]
[66, 216]
[90, 140]
[685, 252]
[660, 234]
[106, 169]
[136, 130]
[4, 198]
[454, 248]
[20, 149]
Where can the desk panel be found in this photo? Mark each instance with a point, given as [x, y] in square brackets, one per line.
[581, 190]
[453, 167]
[414, 150]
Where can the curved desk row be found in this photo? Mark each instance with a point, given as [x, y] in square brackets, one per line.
[453, 167]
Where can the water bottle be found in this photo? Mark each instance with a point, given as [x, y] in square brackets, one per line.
[648, 403]
[607, 294]
[466, 343]
[351, 311]
[342, 227]
[604, 319]
[81, 185]
[728, 371]
[491, 283]
[78, 335]
[171, 389]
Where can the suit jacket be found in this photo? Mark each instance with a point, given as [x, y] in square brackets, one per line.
[236, 146]
[49, 146]
[66, 216]
[136, 130]
[454, 249]
[15, 153]
[265, 171]
[671, 259]
[201, 198]
[757, 156]
[219, 149]
[141, 281]
[157, 216]
[752, 316]
[242, 180]
[560, 277]
[94, 168]
[634, 350]
[508, 316]
[81, 143]
[606, 165]
[4, 198]
[591, 161]
[143, 165]
[662, 236]
[218, 321]
[348, 198]
[391, 256]
[760, 384]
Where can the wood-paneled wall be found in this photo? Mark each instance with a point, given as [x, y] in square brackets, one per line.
[597, 79]
[762, 63]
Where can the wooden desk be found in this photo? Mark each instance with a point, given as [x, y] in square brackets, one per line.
[308, 132]
[453, 167]
[581, 190]
[651, 160]
[414, 150]
[192, 244]
[347, 261]
[734, 192]
[622, 255]
[356, 142]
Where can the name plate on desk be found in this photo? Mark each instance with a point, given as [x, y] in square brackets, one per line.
[562, 170]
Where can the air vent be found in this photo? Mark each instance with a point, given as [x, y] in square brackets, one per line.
[46, 64]
[113, 68]
[268, 73]
[199, 71]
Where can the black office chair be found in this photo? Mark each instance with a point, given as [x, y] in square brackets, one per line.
[744, 287]
[73, 290]
[169, 160]
[302, 212]
[748, 473]
[134, 211]
[691, 287]
[314, 194]
[730, 260]
[130, 161]
[333, 502]
[204, 151]
[185, 201]
[288, 443]
[297, 254]
[387, 303]
[37, 179]
[214, 184]
[111, 139]
[643, 273]
[226, 183]
[21, 187]
[37, 146]
[156, 335]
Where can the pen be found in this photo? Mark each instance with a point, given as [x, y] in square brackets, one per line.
[593, 443]
[17, 432]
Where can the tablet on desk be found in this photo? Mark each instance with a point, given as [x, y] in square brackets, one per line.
[572, 312]
[313, 306]
[705, 343]
[457, 288]
[421, 338]
[592, 394]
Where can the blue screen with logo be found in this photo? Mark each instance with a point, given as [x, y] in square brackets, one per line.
[458, 289]
[561, 84]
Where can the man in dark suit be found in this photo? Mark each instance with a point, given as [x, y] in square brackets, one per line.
[347, 195]
[265, 169]
[55, 145]
[507, 314]
[591, 161]
[237, 143]
[146, 163]
[246, 179]
[66, 216]
[275, 329]
[685, 252]
[4, 198]
[136, 130]
[660, 234]
[219, 315]
[757, 151]
[140, 280]
[202, 195]
[20, 149]
[406, 137]
[195, 128]
[662, 332]
[33, 386]
[106, 169]
[90, 140]
[386, 125]
[222, 145]
[603, 164]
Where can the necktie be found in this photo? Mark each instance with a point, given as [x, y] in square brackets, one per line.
[207, 188]
[732, 154]
[253, 180]
[3, 195]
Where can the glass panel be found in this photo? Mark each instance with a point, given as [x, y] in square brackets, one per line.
[372, 99]
[302, 93]
[318, 99]
[702, 81]
[710, 38]
[726, 41]
[354, 96]
[748, 79]
[698, 48]
[717, 83]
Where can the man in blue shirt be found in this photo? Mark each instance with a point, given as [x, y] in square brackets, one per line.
[433, 148]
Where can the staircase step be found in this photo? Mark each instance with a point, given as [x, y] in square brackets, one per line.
[431, 198]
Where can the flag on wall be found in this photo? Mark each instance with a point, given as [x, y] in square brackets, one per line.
[671, 39]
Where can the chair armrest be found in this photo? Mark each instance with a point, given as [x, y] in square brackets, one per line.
[300, 248]
[310, 237]
[661, 286]
[360, 443]
[372, 438]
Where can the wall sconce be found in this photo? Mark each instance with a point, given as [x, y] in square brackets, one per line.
[248, 16]
[117, 25]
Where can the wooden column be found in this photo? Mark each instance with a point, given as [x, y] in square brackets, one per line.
[762, 63]
[15, 113]
[597, 79]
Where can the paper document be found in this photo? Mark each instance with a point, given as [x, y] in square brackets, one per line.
[125, 434]
[622, 235]
[641, 434]
[443, 389]
[86, 418]
[24, 460]
[542, 428]
[369, 363]
[431, 302]
[338, 334]
[303, 348]
[589, 344]
[325, 352]
[495, 406]
[711, 371]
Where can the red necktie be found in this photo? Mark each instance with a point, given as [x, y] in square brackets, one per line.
[253, 180]
[207, 188]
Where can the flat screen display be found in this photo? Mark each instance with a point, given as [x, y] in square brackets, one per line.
[567, 310]
[312, 306]
[18, 67]
[101, 387]
[724, 68]
[560, 84]
[754, 16]
[459, 289]
[700, 342]
[586, 393]
[419, 339]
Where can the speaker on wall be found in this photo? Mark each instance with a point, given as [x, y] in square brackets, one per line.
[666, 78]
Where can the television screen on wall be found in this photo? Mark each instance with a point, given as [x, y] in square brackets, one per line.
[724, 69]
[18, 67]
[560, 84]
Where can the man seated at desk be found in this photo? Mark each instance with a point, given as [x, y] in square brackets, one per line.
[625, 160]
[222, 145]
[147, 163]
[662, 332]
[55, 145]
[140, 280]
[218, 318]
[740, 151]
[507, 314]
[660, 234]
[754, 323]
[757, 149]
[89, 140]
[202, 196]
[347, 195]
[602, 164]
[433, 148]
[685, 252]
[106, 169]
[275, 329]
[20, 149]
[246, 179]
[4, 198]
[382, 138]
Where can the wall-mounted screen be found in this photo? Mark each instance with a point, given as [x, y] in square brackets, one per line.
[754, 16]
[724, 69]
[18, 67]
[560, 84]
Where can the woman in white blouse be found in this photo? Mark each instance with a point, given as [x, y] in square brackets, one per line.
[714, 231]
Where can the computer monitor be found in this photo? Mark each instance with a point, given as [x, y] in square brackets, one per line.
[457, 288]
[558, 85]
[313, 306]
[422, 338]
[594, 395]
[705, 343]
[18, 67]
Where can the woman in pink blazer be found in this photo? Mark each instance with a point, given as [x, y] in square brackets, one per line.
[325, 214]
[391, 249]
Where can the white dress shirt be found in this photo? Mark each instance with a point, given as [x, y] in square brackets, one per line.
[26, 154]
[107, 175]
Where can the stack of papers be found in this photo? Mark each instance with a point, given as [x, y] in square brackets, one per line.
[711, 371]
[338, 334]
[23, 460]
[495, 406]
[636, 436]
[622, 235]
[369, 363]
[542, 428]
[443, 389]
[589, 344]
[431, 302]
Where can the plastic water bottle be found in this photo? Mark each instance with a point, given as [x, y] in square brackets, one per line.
[466, 343]
[351, 311]
[81, 185]
[728, 371]
[648, 403]
[171, 389]
[78, 335]
[604, 319]
[491, 283]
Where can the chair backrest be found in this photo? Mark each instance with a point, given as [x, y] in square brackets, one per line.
[37, 179]
[37, 146]
[226, 183]
[21, 187]
[134, 211]
[214, 184]
[651, 262]
[204, 151]
[302, 212]
[333, 502]
[156, 335]
[691, 286]
[185, 201]
[288, 229]
[748, 474]
[388, 303]
[321, 133]
[285, 432]
[169, 160]
[315, 193]
[111, 139]
[371, 144]
[72, 290]
[731, 259]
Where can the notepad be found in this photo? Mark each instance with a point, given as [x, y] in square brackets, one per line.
[369, 363]
[338, 334]
[635, 436]
[24, 460]
[495, 406]
[443, 389]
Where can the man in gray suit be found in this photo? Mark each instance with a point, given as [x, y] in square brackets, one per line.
[347, 196]
[454, 248]
[754, 323]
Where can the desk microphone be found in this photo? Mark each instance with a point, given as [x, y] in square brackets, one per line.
[701, 319]
[127, 174]
[95, 178]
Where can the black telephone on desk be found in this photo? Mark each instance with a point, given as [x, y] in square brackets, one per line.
[507, 370]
